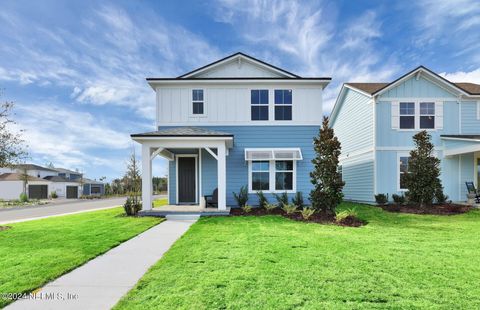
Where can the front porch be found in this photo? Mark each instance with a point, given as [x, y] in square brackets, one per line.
[197, 167]
[184, 210]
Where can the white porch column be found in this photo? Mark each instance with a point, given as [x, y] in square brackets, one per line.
[222, 177]
[146, 178]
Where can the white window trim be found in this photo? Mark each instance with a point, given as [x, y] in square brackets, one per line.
[271, 184]
[417, 115]
[192, 115]
[400, 154]
[282, 105]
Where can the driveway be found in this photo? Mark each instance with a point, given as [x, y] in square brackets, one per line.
[56, 209]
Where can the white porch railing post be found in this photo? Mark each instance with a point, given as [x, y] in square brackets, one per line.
[146, 178]
[222, 177]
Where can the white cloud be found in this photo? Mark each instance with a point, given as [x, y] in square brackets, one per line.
[461, 76]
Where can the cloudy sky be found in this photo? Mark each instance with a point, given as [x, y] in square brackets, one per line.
[76, 69]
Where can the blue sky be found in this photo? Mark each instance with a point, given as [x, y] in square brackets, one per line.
[76, 69]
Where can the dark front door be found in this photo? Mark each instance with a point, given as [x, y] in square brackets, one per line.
[37, 191]
[186, 180]
[72, 192]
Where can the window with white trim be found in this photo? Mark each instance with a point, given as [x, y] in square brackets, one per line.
[260, 176]
[283, 104]
[403, 171]
[407, 115]
[284, 175]
[427, 115]
[197, 102]
[259, 104]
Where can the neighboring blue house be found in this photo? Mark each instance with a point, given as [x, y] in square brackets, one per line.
[90, 187]
[375, 123]
[236, 122]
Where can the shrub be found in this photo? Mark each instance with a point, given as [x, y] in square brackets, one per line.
[54, 195]
[399, 199]
[342, 215]
[298, 199]
[242, 197]
[307, 213]
[270, 207]
[327, 184]
[423, 177]
[23, 197]
[247, 208]
[132, 206]
[441, 197]
[381, 199]
[282, 199]
[262, 200]
[289, 208]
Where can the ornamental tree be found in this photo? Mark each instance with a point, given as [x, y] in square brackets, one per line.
[11, 144]
[423, 177]
[327, 193]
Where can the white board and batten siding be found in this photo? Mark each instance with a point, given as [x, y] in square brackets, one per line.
[354, 127]
[235, 69]
[231, 105]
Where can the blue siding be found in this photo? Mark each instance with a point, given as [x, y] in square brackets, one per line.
[413, 88]
[237, 168]
[359, 179]
[470, 121]
[86, 189]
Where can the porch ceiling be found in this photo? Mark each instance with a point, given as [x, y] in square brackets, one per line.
[460, 144]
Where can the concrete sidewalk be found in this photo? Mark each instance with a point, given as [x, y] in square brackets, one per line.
[100, 283]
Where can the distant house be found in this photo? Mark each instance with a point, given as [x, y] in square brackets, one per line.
[64, 187]
[11, 186]
[375, 123]
[90, 187]
[68, 174]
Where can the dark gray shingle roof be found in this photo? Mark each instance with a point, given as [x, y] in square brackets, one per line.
[56, 178]
[184, 132]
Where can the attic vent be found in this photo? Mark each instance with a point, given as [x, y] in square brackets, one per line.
[273, 154]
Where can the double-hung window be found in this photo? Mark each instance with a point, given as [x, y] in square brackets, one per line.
[197, 102]
[259, 103]
[284, 175]
[407, 115]
[403, 171]
[283, 104]
[260, 175]
[427, 115]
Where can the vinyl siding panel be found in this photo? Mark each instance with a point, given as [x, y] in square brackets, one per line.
[413, 88]
[354, 123]
[358, 176]
[470, 121]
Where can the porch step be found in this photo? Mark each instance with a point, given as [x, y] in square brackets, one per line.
[182, 217]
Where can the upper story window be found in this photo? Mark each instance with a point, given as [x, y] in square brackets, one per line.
[197, 102]
[407, 115]
[283, 104]
[427, 115]
[259, 103]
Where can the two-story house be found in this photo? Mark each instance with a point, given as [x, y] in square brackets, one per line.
[375, 123]
[236, 122]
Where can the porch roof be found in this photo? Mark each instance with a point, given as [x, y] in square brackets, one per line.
[184, 132]
[460, 144]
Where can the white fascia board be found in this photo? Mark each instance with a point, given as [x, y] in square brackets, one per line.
[294, 81]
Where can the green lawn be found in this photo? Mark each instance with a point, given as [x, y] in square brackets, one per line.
[160, 202]
[36, 252]
[396, 261]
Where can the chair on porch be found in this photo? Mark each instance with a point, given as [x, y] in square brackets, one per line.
[212, 200]
[472, 190]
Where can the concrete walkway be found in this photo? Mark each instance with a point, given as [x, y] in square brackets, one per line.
[101, 283]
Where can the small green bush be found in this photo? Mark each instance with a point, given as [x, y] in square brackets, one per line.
[247, 208]
[307, 213]
[298, 200]
[340, 216]
[262, 200]
[381, 199]
[289, 208]
[23, 197]
[282, 199]
[242, 197]
[399, 199]
[132, 206]
[270, 207]
[54, 195]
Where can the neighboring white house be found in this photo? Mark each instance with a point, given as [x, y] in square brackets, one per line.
[32, 170]
[63, 187]
[11, 186]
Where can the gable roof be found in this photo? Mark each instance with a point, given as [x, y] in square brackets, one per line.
[63, 170]
[17, 177]
[237, 56]
[371, 88]
[56, 178]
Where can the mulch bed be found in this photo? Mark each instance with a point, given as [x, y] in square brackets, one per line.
[4, 228]
[297, 216]
[436, 209]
